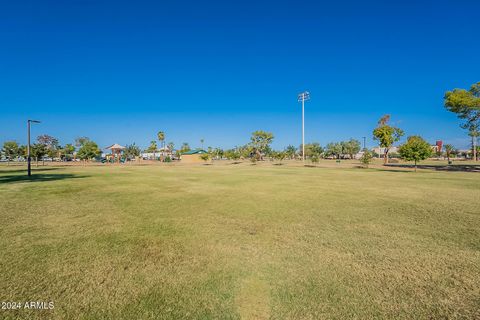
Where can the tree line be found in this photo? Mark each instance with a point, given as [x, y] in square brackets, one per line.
[464, 103]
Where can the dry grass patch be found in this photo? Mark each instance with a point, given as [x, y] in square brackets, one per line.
[242, 241]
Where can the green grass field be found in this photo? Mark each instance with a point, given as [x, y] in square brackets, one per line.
[240, 241]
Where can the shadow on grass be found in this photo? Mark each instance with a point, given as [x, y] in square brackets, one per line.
[33, 170]
[457, 168]
[38, 177]
[387, 170]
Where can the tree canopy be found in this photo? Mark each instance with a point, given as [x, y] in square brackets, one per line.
[50, 143]
[38, 151]
[466, 104]
[291, 151]
[261, 140]
[386, 135]
[161, 136]
[334, 149]
[366, 158]
[351, 147]
[131, 151]
[68, 150]
[415, 149]
[152, 147]
[89, 150]
[10, 149]
[80, 141]
[449, 150]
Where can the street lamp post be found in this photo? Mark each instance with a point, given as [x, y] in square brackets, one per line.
[302, 97]
[29, 160]
[364, 139]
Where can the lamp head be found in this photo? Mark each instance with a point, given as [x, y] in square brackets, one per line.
[304, 96]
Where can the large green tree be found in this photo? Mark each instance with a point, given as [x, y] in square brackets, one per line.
[10, 150]
[22, 151]
[38, 151]
[415, 149]
[313, 149]
[50, 143]
[79, 142]
[351, 147]
[131, 151]
[68, 150]
[88, 151]
[334, 149]
[466, 104]
[386, 135]
[260, 142]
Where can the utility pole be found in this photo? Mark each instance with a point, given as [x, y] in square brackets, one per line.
[29, 159]
[302, 97]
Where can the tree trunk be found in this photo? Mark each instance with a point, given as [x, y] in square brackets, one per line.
[415, 165]
[163, 151]
[385, 156]
[36, 162]
[474, 140]
[8, 161]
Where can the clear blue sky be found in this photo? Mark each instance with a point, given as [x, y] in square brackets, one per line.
[120, 71]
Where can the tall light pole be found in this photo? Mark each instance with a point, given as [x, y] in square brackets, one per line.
[364, 139]
[29, 160]
[303, 97]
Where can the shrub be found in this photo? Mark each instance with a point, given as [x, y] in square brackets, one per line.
[366, 158]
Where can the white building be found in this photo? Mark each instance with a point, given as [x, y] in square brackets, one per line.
[165, 152]
[381, 151]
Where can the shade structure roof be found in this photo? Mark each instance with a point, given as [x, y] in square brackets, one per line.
[198, 151]
[115, 146]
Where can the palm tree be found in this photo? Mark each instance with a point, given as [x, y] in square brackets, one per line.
[170, 147]
[449, 149]
[202, 141]
[161, 138]
[153, 148]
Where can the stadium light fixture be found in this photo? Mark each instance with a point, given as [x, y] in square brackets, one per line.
[302, 97]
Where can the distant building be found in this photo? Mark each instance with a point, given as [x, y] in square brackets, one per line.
[192, 156]
[165, 152]
[381, 151]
